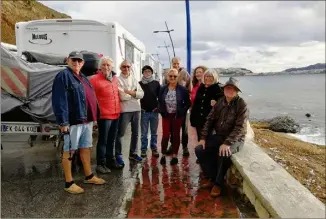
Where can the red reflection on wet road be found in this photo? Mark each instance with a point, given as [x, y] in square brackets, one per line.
[173, 191]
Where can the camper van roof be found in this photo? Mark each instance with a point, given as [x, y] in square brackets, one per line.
[126, 34]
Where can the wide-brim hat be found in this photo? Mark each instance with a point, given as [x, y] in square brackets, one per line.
[234, 82]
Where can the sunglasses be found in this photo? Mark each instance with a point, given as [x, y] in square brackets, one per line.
[77, 60]
[125, 66]
[173, 76]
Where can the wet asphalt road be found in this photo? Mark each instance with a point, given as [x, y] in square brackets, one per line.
[32, 184]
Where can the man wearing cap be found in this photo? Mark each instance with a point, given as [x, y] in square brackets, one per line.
[149, 110]
[228, 119]
[75, 107]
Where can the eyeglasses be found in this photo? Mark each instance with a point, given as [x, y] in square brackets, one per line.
[173, 76]
[125, 66]
[77, 60]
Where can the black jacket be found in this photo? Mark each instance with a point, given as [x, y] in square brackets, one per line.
[183, 101]
[202, 104]
[150, 100]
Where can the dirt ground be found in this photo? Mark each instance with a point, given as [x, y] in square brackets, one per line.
[304, 161]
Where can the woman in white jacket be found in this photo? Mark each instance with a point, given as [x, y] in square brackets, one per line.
[130, 92]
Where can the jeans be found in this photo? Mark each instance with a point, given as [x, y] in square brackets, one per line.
[80, 136]
[214, 167]
[151, 119]
[171, 127]
[107, 130]
[125, 119]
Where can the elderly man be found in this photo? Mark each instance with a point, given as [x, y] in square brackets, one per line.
[183, 80]
[130, 92]
[105, 84]
[75, 107]
[229, 120]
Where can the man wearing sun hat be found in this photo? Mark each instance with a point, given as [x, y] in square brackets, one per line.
[75, 106]
[228, 119]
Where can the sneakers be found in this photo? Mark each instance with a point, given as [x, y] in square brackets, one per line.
[102, 169]
[135, 157]
[95, 180]
[163, 160]
[143, 154]
[119, 160]
[113, 164]
[186, 152]
[155, 153]
[174, 161]
[74, 189]
[216, 191]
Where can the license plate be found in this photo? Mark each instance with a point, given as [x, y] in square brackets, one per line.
[19, 128]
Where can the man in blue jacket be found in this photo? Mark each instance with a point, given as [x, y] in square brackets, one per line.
[75, 106]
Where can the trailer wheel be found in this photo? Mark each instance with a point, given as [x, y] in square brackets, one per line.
[31, 140]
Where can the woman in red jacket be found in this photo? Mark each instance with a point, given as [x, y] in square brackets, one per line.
[105, 84]
[196, 81]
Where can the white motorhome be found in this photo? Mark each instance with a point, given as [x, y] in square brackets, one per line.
[61, 36]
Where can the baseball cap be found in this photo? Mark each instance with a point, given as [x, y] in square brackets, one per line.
[76, 55]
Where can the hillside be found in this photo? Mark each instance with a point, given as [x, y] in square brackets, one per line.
[16, 11]
[310, 67]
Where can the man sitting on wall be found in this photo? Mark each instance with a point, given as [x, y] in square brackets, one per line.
[228, 119]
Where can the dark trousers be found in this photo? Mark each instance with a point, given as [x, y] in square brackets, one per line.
[171, 127]
[184, 136]
[107, 130]
[198, 130]
[214, 167]
[125, 119]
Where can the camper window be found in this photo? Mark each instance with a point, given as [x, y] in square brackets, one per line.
[129, 51]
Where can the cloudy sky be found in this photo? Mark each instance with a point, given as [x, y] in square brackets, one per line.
[260, 36]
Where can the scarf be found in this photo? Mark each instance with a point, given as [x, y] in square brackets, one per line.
[109, 77]
[147, 80]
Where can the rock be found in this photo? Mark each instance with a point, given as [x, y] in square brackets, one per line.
[308, 115]
[284, 124]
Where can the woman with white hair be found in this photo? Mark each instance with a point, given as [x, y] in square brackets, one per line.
[207, 94]
[105, 84]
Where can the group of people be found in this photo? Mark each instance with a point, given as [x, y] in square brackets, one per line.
[217, 112]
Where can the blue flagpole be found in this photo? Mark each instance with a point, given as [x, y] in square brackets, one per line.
[188, 37]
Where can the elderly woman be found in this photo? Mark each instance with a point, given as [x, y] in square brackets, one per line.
[105, 84]
[174, 103]
[228, 119]
[196, 82]
[207, 95]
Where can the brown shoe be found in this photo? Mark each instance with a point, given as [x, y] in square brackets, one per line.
[95, 180]
[206, 184]
[74, 189]
[216, 191]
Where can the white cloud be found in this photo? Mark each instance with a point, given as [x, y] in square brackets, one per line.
[260, 36]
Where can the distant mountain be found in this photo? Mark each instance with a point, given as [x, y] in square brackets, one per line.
[318, 66]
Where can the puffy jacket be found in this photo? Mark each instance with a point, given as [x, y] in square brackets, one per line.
[107, 94]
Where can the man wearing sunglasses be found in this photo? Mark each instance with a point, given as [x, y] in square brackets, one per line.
[130, 92]
[75, 107]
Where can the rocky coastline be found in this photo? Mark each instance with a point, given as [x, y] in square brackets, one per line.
[304, 161]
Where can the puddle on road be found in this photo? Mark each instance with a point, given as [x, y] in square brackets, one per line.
[173, 191]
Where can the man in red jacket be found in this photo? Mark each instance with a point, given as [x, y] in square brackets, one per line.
[105, 84]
